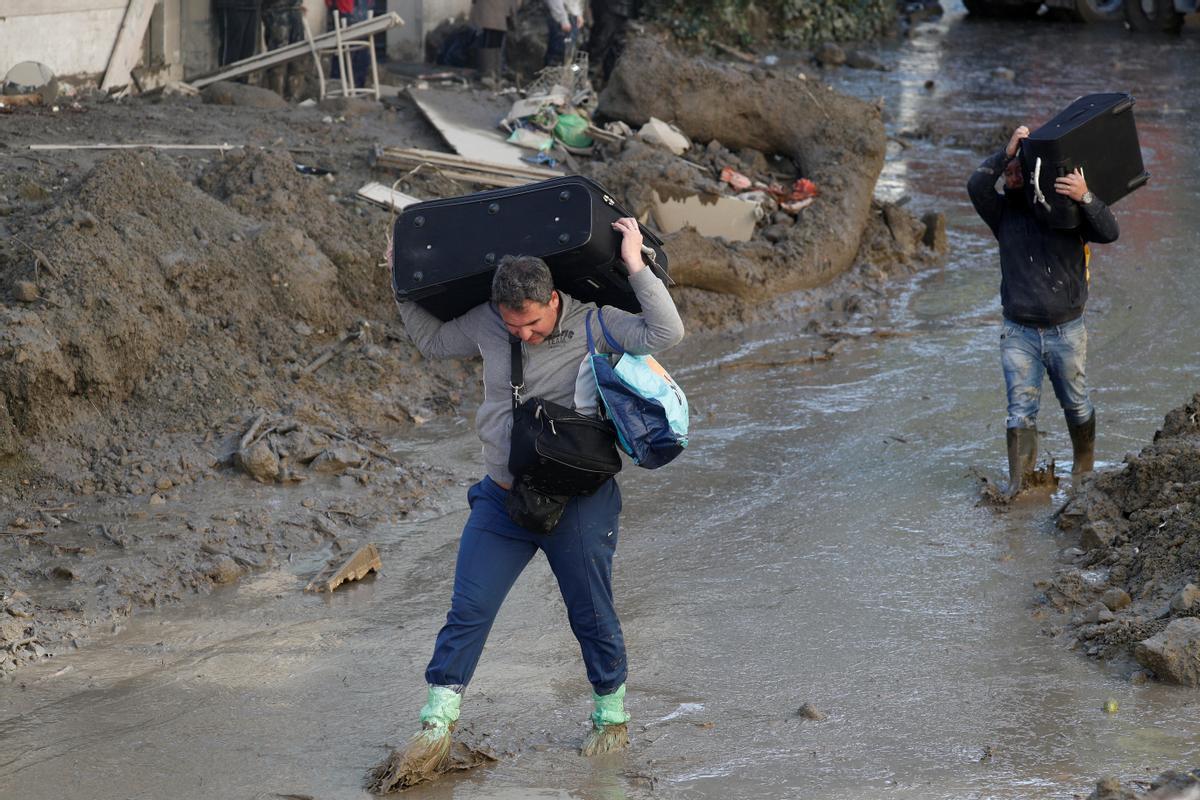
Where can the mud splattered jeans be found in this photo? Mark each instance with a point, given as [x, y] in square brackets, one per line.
[493, 552]
[1027, 353]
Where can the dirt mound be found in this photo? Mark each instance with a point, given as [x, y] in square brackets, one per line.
[193, 303]
[833, 140]
[1134, 572]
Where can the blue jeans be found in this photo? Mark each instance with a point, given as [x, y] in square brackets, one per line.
[1027, 353]
[557, 41]
[493, 552]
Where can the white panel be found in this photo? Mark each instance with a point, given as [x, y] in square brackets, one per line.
[69, 44]
[24, 8]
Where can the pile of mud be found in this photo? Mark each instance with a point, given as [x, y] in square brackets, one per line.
[1131, 588]
[161, 304]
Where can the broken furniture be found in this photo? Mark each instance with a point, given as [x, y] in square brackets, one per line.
[341, 49]
[309, 49]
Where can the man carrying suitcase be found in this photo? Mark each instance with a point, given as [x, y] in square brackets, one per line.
[494, 550]
[1043, 289]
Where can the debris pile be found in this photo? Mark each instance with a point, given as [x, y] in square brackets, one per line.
[289, 449]
[1131, 587]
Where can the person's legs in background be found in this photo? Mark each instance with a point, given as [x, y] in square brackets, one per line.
[1021, 358]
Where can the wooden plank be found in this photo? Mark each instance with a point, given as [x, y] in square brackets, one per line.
[127, 51]
[142, 146]
[458, 119]
[296, 50]
[386, 196]
[480, 178]
[451, 158]
[458, 162]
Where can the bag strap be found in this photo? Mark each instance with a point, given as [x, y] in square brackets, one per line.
[607, 336]
[587, 326]
[517, 378]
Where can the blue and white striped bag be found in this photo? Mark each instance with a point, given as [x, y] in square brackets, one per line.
[647, 407]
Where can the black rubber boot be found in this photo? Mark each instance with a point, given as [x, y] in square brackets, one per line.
[1022, 457]
[1083, 444]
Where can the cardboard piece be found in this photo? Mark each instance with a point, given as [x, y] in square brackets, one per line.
[364, 560]
[468, 126]
[665, 135]
[731, 218]
[386, 196]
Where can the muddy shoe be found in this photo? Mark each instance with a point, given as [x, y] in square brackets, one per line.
[1022, 457]
[605, 739]
[421, 760]
[610, 730]
[426, 754]
[1083, 446]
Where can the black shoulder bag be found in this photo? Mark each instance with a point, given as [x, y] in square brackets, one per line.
[556, 454]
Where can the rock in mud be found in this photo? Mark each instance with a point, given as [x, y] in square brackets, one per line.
[260, 462]
[338, 459]
[1174, 654]
[830, 55]
[1116, 599]
[811, 712]
[223, 569]
[935, 232]
[25, 292]
[1185, 599]
[230, 93]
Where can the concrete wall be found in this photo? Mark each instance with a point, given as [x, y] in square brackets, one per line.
[71, 37]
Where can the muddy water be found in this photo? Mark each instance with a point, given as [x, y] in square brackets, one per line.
[818, 543]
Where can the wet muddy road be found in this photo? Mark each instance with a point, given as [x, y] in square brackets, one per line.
[818, 543]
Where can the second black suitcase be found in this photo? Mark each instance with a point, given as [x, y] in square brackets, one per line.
[1095, 133]
[446, 250]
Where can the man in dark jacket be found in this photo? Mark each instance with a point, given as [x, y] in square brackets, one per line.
[610, 19]
[237, 29]
[1043, 288]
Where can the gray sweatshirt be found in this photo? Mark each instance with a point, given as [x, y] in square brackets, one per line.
[550, 367]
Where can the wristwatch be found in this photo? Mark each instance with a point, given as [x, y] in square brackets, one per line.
[1087, 197]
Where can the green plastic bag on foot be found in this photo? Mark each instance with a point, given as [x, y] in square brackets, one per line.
[610, 730]
[425, 755]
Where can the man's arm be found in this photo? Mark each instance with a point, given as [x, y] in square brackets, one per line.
[558, 11]
[1100, 225]
[982, 188]
[434, 338]
[982, 185]
[437, 339]
[658, 326]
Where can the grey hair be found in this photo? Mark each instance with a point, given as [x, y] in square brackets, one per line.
[521, 279]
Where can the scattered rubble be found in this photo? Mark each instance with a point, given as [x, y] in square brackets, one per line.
[1129, 590]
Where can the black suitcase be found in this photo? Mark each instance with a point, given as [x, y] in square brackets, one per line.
[1095, 133]
[446, 250]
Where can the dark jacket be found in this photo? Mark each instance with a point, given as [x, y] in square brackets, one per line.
[1043, 275]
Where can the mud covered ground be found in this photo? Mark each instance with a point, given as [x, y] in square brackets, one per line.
[1129, 589]
[163, 309]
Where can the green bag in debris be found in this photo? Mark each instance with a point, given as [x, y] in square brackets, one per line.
[571, 130]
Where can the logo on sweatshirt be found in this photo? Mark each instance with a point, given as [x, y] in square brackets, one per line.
[560, 337]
